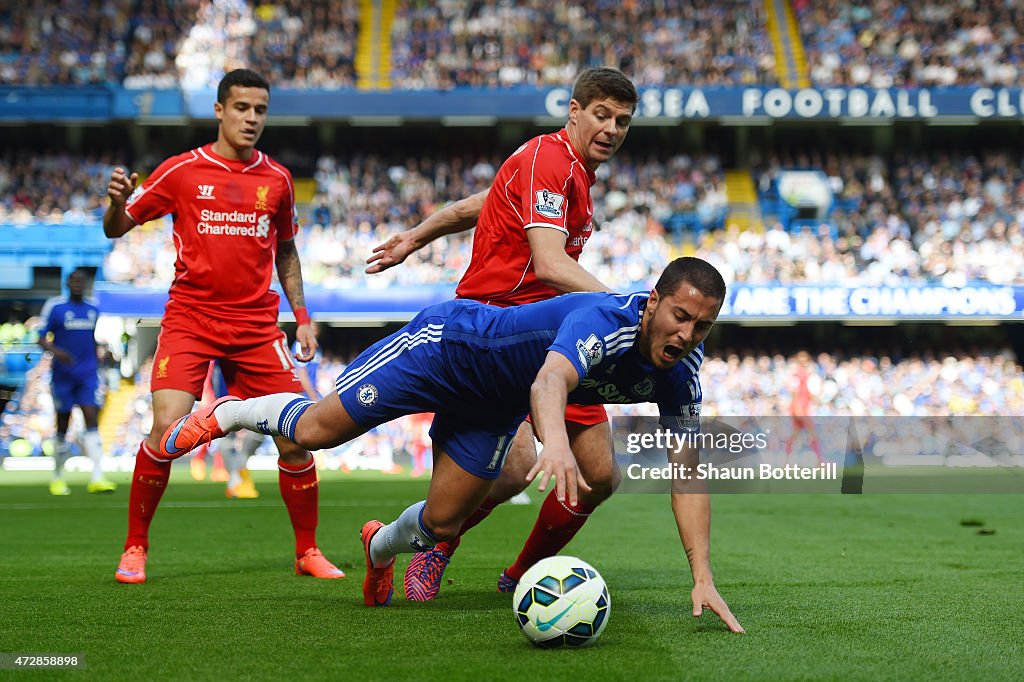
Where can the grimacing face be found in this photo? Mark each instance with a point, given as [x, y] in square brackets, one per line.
[675, 324]
[598, 130]
[243, 116]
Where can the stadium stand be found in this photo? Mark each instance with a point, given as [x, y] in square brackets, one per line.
[456, 43]
[948, 218]
[912, 43]
[145, 43]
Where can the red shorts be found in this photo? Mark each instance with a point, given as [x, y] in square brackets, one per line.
[587, 415]
[255, 359]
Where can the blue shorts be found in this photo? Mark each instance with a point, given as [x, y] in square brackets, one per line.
[403, 374]
[71, 391]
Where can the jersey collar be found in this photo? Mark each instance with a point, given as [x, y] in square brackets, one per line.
[231, 165]
[563, 134]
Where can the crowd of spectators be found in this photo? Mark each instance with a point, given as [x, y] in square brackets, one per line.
[912, 43]
[946, 218]
[456, 43]
[52, 188]
[65, 42]
[363, 200]
[177, 43]
[294, 44]
[158, 29]
[500, 43]
[949, 219]
[920, 384]
[935, 383]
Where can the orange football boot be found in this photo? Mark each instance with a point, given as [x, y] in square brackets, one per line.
[314, 563]
[379, 583]
[132, 568]
[192, 430]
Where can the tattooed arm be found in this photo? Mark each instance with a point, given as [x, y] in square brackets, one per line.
[289, 273]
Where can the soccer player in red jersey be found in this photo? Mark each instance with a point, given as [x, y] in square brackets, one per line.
[234, 222]
[800, 406]
[530, 228]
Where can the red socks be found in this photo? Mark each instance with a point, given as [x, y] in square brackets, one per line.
[301, 496]
[148, 484]
[298, 490]
[556, 525]
[481, 513]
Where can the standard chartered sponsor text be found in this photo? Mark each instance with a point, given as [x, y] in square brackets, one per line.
[230, 223]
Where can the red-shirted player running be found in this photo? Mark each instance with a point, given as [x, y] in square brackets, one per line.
[533, 223]
[234, 221]
[800, 406]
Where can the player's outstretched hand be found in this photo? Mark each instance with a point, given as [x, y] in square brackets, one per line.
[705, 595]
[391, 253]
[307, 343]
[559, 464]
[121, 186]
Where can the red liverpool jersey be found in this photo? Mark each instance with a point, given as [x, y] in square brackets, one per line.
[228, 218]
[544, 184]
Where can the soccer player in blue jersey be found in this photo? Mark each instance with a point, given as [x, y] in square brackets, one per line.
[307, 370]
[69, 334]
[481, 370]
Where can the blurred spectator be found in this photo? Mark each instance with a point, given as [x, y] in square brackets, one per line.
[692, 42]
[65, 42]
[312, 43]
[52, 188]
[913, 43]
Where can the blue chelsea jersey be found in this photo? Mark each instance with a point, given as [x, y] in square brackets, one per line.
[495, 353]
[73, 325]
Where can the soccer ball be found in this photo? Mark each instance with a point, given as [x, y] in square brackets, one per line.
[561, 601]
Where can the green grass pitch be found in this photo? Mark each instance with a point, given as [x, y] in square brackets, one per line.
[828, 587]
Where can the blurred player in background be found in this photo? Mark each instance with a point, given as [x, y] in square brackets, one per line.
[307, 370]
[69, 333]
[530, 229]
[800, 405]
[234, 222]
[233, 452]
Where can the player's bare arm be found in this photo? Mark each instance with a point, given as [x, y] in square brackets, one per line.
[457, 217]
[289, 273]
[115, 221]
[691, 507]
[555, 267]
[548, 397]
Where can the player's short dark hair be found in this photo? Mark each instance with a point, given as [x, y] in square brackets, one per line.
[243, 78]
[602, 83]
[696, 272]
[83, 271]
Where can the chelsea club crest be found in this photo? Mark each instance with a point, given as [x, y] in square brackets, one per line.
[367, 394]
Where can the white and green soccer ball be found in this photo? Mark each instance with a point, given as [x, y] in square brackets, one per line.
[562, 601]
